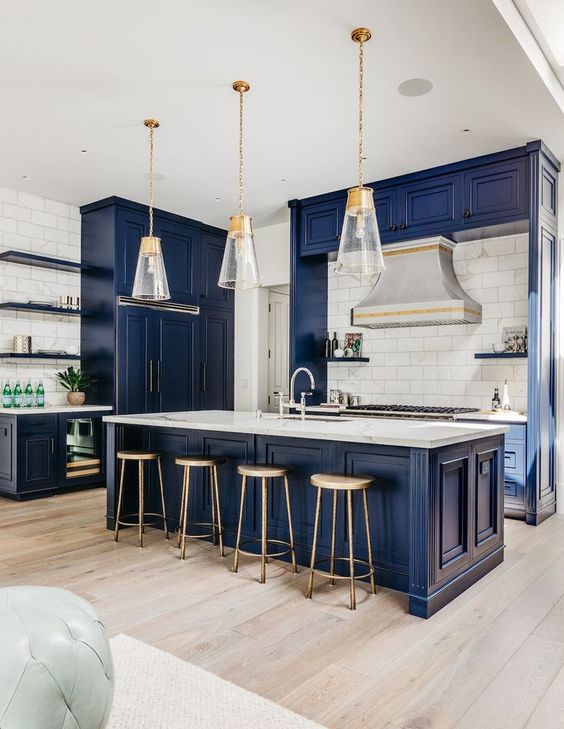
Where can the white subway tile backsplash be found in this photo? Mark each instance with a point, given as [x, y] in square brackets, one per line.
[30, 223]
[436, 365]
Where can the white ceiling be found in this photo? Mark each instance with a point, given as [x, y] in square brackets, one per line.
[79, 75]
[545, 18]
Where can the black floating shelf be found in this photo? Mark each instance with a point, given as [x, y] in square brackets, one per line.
[501, 355]
[37, 355]
[345, 360]
[41, 309]
[31, 259]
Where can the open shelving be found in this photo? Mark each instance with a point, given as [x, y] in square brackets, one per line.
[501, 355]
[32, 259]
[40, 308]
[37, 355]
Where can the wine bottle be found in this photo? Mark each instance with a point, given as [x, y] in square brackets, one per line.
[7, 395]
[18, 395]
[40, 395]
[327, 346]
[334, 344]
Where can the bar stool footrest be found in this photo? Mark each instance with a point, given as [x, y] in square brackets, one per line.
[156, 520]
[329, 576]
[215, 530]
[268, 541]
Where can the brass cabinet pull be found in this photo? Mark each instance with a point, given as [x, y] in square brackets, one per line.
[150, 375]
[158, 375]
[52, 445]
[204, 385]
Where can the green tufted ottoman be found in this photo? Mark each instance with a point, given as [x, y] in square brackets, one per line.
[56, 668]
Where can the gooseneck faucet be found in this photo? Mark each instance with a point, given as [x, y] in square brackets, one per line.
[303, 394]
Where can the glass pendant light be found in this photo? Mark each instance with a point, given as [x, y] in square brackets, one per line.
[360, 249]
[239, 268]
[150, 282]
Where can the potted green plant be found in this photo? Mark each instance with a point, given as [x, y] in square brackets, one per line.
[76, 382]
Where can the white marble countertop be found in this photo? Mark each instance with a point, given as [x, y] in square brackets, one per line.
[386, 431]
[51, 409]
[495, 417]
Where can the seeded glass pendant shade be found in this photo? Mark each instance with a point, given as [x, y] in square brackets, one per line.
[150, 283]
[239, 268]
[360, 248]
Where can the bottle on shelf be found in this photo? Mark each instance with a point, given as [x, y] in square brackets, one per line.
[7, 395]
[496, 402]
[28, 395]
[327, 346]
[40, 395]
[18, 395]
[334, 344]
[505, 403]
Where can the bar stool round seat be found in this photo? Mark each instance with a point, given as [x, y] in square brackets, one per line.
[264, 471]
[140, 518]
[347, 485]
[213, 528]
[137, 456]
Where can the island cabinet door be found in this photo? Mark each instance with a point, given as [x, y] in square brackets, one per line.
[487, 526]
[305, 457]
[388, 508]
[451, 513]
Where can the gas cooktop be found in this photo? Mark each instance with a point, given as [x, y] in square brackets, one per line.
[408, 411]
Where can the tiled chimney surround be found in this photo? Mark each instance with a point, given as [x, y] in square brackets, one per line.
[435, 365]
[50, 228]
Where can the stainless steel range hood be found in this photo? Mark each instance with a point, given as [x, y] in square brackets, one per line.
[418, 288]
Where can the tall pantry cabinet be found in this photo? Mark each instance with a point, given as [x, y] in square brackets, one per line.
[155, 356]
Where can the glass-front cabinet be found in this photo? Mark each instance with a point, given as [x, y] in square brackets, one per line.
[81, 449]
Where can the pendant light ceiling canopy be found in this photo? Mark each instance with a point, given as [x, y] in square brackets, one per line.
[360, 249]
[150, 282]
[239, 268]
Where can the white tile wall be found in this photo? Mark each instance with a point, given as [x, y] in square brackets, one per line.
[436, 365]
[50, 228]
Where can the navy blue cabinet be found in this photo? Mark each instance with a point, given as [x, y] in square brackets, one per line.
[496, 192]
[386, 201]
[216, 348]
[428, 206]
[162, 356]
[37, 459]
[321, 225]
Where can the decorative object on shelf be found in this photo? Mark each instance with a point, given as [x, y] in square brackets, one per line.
[69, 302]
[505, 403]
[76, 382]
[360, 248]
[496, 402]
[334, 397]
[150, 283]
[515, 339]
[353, 341]
[239, 268]
[339, 353]
[21, 344]
[498, 348]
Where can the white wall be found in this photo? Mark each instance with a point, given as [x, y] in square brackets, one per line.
[435, 365]
[560, 355]
[272, 244]
[47, 227]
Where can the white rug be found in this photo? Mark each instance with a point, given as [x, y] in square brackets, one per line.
[155, 690]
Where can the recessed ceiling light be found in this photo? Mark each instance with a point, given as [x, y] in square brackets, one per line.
[83, 151]
[283, 180]
[217, 199]
[24, 177]
[466, 131]
[415, 87]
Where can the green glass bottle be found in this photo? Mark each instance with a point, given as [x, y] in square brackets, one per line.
[40, 395]
[28, 395]
[7, 395]
[18, 395]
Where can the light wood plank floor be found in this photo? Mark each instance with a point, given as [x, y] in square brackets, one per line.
[493, 658]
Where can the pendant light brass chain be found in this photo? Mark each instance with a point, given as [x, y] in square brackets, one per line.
[240, 153]
[151, 159]
[360, 109]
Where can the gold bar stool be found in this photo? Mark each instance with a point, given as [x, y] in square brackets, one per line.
[347, 485]
[140, 457]
[211, 463]
[264, 472]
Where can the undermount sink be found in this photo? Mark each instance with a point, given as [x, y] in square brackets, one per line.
[321, 418]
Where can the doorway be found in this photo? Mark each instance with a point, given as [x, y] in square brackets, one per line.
[278, 343]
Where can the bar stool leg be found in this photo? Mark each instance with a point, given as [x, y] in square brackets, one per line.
[212, 498]
[218, 508]
[351, 552]
[181, 512]
[162, 497]
[120, 497]
[141, 506]
[314, 545]
[333, 538]
[240, 525]
[263, 547]
[290, 528]
[368, 541]
[184, 517]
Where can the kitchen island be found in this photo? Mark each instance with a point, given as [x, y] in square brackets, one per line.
[436, 506]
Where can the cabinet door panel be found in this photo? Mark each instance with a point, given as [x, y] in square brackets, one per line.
[216, 380]
[487, 516]
[132, 225]
[175, 338]
[211, 257]
[134, 358]
[386, 203]
[37, 459]
[321, 227]
[179, 244]
[430, 205]
[496, 192]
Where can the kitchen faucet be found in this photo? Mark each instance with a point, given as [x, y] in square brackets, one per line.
[303, 394]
